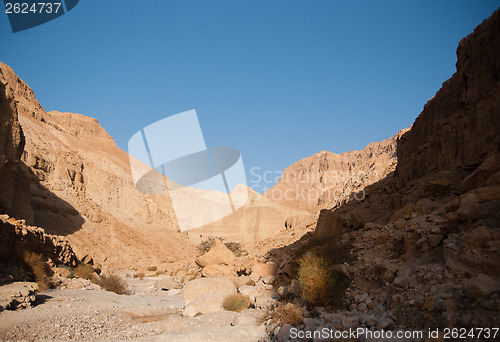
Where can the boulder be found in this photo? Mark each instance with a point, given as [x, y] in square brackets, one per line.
[218, 254]
[205, 303]
[482, 286]
[261, 270]
[218, 271]
[166, 284]
[197, 287]
[402, 213]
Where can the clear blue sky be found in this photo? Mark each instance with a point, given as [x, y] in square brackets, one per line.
[278, 80]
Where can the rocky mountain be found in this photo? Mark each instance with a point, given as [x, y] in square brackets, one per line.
[327, 179]
[422, 249]
[64, 173]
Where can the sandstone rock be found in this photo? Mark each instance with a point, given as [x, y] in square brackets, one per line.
[326, 179]
[197, 287]
[361, 216]
[403, 278]
[250, 291]
[218, 254]
[478, 237]
[434, 239]
[295, 288]
[482, 286]
[437, 187]
[167, 284]
[269, 279]
[402, 213]
[218, 271]
[262, 270]
[468, 207]
[424, 206]
[240, 281]
[17, 295]
[205, 303]
[459, 126]
[480, 176]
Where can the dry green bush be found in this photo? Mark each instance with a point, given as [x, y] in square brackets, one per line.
[289, 313]
[236, 302]
[83, 271]
[41, 270]
[112, 283]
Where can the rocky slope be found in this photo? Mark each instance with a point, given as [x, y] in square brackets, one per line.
[422, 249]
[73, 180]
[327, 179]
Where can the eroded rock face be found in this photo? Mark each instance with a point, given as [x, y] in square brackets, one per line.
[459, 126]
[327, 179]
[424, 246]
[73, 180]
[12, 193]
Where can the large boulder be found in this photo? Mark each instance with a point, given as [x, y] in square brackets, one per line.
[218, 254]
[206, 295]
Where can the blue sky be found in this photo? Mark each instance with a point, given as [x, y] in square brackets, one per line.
[278, 80]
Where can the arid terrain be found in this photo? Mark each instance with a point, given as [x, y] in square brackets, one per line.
[402, 235]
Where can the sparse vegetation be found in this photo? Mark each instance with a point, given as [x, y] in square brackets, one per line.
[236, 302]
[314, 277]
[320, 284]
[83, 270]
[112, 283]
[140, 275]
[159, 272]
[289, 313]
[41, 270]
[234, 247]
[152, 268]
[206, 245]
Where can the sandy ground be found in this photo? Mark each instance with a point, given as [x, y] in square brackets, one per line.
[94, 315]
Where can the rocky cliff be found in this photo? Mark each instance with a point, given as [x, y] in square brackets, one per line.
[73, 180]
[458, 128]
[422, 249]
[327, 179]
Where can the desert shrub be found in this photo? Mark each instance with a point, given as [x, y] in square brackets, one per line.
[83, 271]
[205, 245]
[236, 302]
[41, 270]
[236, 248]
[140, 275]
[152, 268]
[314, 277]
[159, 272]
[320, 284]
[289, 313]
[112, 283]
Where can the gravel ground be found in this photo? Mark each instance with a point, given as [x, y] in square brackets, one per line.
[66, 314]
